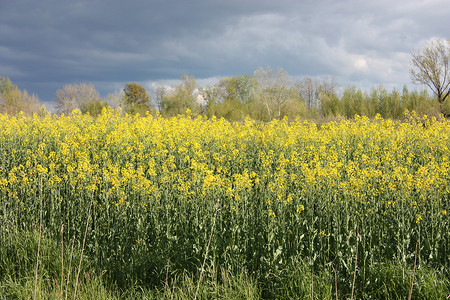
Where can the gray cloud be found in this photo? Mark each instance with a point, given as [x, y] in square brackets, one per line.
[49, 43]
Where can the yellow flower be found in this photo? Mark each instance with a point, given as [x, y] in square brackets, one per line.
[271, 213]
[288, 199]
[419, 218]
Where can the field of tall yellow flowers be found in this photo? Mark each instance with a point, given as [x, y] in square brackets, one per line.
[372, 191]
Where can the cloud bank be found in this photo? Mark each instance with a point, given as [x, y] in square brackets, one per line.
[49, 43]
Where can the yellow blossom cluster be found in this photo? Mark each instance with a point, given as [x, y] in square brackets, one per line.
[361, 160]
[155, 180]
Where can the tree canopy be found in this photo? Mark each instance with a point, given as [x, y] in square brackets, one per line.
[13, 100]
[135, 94]
[182, 98]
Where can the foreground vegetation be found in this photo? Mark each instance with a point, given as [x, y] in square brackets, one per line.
[145, 207]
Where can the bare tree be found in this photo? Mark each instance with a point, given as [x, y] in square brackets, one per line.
[72, 96]
[307, 90]
[430, 66]
[115, 99]
[189, 83]
[30, 103]
[328, 86]
[273, 89]
[160, 93]
[311, 90]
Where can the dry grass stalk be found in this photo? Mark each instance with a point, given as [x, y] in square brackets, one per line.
[84, 242]
[356, 263]
[207, 249]
[414, 273]
[39, 239]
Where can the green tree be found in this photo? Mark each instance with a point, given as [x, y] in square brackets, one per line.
[421, 102]
[353, 102]
[135, 94]
[94, 108]
[240, 88]
[8, 92]
[136, 99]
[215, 97]
[6, 86]
[430, 66]
[182, 98]
[325, 90]
[230, 98]
[329, 105]
[13, 100]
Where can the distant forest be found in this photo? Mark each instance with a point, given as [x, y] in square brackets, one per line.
[268, 94]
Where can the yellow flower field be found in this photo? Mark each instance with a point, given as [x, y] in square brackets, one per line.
[284, 190]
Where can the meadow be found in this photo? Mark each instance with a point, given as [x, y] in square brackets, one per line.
[123, 206]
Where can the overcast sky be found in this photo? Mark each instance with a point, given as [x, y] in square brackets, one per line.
[46, 44]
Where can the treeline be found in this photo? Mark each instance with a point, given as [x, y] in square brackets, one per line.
[237, 97]
[267, 94]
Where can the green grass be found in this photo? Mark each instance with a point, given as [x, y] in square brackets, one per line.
[297, 280]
